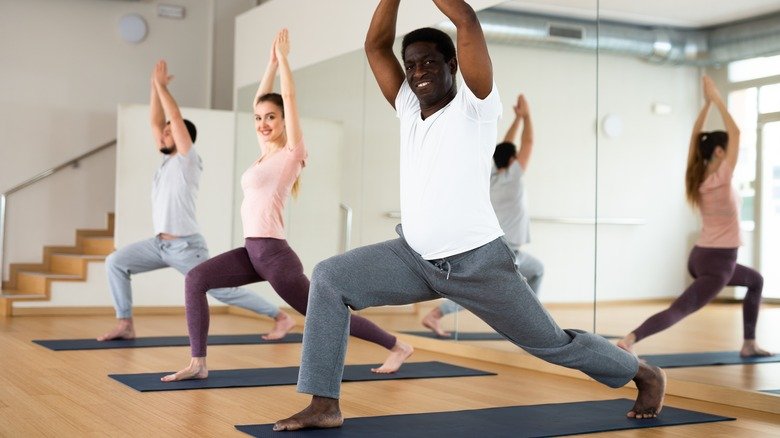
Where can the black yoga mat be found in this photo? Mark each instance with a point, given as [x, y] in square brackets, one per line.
[704, 359]
[470, 336]
[514, 421]
[771, 391]
[161, 341]
[289, 376]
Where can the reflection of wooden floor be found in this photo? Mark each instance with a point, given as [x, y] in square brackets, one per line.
[717, 327]
[46, 393]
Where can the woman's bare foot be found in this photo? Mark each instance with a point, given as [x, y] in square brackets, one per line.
[123, 330]
[322, 413]
[432, 320]
[751, 349]
[284, 323]
[398, 354]
[195, 370]
[651, 383]
[627, 343]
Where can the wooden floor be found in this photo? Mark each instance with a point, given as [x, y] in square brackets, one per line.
[46, 393]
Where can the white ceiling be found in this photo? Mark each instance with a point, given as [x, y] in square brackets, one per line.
[678, 13]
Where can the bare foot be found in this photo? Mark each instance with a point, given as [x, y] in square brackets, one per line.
[651, 383]
[627, 343]
[398, 354]
[195, 370]
[751, 349]
[284, 323]
[123, 330]
[322, 413]
[431, 321]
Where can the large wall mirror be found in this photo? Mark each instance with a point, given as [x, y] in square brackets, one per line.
[651, 59]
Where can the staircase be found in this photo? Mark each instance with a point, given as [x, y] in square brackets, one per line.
[32, 281]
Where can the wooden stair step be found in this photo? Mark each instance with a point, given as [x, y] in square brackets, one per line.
[16, 295]
[97, 245]
[74, 264]
[37, 282]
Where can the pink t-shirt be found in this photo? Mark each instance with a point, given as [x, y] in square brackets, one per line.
[267, 185]
[719, 208]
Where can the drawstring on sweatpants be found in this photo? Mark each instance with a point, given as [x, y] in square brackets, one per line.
[439, 263]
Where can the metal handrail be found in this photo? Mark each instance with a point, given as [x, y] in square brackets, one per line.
[46, 173]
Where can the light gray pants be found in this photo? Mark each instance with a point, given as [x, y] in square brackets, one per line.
[529, 267]
[483, 280]
[181, 254]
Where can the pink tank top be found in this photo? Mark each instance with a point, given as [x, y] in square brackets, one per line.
[719, 208]
[267, 185]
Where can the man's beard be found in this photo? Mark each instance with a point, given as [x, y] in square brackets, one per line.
[168, 150]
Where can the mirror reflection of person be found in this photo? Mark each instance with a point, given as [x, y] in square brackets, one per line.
[449, 243]
[507, 195]
[177, 242]
[712, 157]
[266, 256]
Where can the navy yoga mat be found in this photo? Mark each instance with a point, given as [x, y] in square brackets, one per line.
[470, 336]
[704, 359]
[510, 422]
[161, 341]
[289, 376]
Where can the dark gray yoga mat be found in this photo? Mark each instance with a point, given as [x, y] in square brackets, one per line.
[771, 391]
[470, 336]
[681, 360]
[510, 422]
[162, 341]
[289, 376]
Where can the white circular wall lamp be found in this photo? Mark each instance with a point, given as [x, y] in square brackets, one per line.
[132, 28]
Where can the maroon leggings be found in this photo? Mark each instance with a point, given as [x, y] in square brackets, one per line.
[261, 259]
[712, 269]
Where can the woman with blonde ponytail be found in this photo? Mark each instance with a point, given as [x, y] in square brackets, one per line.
[266, 256]
[712, 157]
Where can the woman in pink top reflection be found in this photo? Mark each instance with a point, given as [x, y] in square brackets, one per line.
[266, 256]
[712, 157]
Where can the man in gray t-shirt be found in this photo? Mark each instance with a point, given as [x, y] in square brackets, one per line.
[507, 195]
[177, 242]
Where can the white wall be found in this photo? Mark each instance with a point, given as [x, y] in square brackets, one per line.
[64, 70]
[137, 161]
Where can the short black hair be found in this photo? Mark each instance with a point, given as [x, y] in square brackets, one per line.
[504, 151]
[443, 42]
[190, 129]
[708, 141]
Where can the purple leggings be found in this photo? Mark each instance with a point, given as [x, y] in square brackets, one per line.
[261, 259]
[712, 269]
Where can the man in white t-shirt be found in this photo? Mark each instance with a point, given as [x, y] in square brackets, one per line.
[177, 242]
[507, 195]
[450, 241]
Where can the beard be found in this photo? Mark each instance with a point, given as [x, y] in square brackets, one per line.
[168, 150]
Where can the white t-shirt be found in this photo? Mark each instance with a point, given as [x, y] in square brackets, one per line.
[445, 173]
[174, 191]
[507, 195]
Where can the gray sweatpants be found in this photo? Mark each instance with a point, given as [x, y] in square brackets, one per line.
[181, 254]
[529, 267]
[483, 280]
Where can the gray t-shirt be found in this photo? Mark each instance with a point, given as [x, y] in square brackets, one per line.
[507, 195]
[174, 191]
